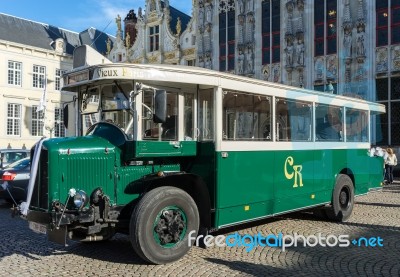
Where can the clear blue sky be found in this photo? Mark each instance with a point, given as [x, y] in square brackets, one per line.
[78, 15]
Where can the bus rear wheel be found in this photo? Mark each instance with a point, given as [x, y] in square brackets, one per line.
[342, 199]
[160, 225]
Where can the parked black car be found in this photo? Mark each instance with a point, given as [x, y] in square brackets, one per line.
[9, 156]
[16, 178]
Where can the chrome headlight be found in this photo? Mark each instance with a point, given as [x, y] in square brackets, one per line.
[80, 199]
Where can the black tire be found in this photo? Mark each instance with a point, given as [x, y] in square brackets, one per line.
[160, 224]
[342, 199]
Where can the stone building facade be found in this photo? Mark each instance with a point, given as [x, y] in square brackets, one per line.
[342, 47]
[162, 34]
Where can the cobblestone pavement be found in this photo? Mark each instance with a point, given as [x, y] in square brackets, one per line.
[25, 253]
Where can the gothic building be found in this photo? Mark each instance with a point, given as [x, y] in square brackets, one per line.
[159, 34]
[342, 47]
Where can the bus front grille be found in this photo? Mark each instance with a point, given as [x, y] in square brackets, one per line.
[40, 195]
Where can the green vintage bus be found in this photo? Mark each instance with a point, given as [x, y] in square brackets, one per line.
[165, 150]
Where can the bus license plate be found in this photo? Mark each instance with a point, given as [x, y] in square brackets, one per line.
[38, 228]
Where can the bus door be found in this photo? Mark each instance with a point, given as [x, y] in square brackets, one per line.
[329, 159]
[294, 164]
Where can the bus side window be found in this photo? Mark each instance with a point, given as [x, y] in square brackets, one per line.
[168, 129]
[293, 120]
[282, 122]
[246, 116]
[206, 114]
[328, 123]
[188, 117]
[356, 125]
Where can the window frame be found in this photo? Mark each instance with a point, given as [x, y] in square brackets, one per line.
[15, 119]
[37, 122]
[14, 74]
[58, 79]
[154, 38]
[59, 128]
[38, 76]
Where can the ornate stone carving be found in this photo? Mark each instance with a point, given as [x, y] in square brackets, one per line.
[381, 60]
[190, 51]
[208, 61]
[347, 43]
[300, 53]
[153, 59]
[396, 58]
[276, 73]
[240, 67]
[250, 28]
[60, 46]
[241, 6]
[319, 69]
[331, 67]
[250, 5]
[289, 55]
[201, 61]
[250, 60]
[300, 5]
[360, 45]
[209, 13]
[266, 71]
[169, 55]
[137, 60]
[201, 17]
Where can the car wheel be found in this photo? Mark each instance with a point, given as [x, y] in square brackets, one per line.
[342, 199]
[160, 224]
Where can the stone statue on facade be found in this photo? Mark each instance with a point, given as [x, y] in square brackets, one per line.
[209, 13]
[360, 46]
[108, 44]
[127, 40]
[241, 6]
[118, 21]
[201, 17]
[289, 54]
[300, 52]
[250, 5]
[178, 26]
[347, 44]
[208, 62]
[249, 59]
[241, 62]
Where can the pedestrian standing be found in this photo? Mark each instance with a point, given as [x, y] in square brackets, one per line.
[390, 162]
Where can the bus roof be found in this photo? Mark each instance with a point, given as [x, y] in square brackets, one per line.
[205, 77]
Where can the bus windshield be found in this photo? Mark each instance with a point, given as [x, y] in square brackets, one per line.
[109, 103]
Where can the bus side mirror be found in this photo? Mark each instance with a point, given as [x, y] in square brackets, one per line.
[65, 116]
[160, 106]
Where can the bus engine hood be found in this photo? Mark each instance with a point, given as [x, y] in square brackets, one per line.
[78, 145]
[78, 163]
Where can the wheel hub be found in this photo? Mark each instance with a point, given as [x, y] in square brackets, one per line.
[344, 198]
[170, 226]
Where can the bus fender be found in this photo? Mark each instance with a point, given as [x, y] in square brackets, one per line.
[193, 184]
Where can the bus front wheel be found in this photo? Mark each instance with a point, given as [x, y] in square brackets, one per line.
[160, 225]
[342, 199]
